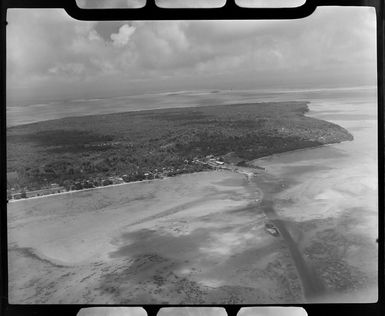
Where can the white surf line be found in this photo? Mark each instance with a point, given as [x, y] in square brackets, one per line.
[99, 188]
[83, 190]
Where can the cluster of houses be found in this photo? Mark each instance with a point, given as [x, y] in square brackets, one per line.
[210, 162]
[14, 194]
[54, 188]
[105, 144]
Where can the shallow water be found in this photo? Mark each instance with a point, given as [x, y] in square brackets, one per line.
[40, 111]
[336, 184]
[341, 175]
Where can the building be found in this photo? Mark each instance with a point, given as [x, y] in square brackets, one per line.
[47, 191]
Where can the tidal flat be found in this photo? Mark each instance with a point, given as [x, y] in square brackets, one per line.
[194, 238]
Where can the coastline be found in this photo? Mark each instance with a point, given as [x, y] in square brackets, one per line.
[251, 167]
[246, 171]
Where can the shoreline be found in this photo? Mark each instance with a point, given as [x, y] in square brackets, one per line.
[118, 184]
[231, 169]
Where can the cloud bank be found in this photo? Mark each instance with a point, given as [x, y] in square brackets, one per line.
[50, 55]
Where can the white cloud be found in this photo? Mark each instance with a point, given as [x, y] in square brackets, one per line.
[69, 69]
[121, 38]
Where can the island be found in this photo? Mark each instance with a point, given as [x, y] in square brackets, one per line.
[77, 153]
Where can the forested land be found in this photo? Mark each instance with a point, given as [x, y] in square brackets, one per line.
[154, 141]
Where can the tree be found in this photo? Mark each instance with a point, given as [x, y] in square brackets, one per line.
[67, 184]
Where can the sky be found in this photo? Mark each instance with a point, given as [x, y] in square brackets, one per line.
[51, 56]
